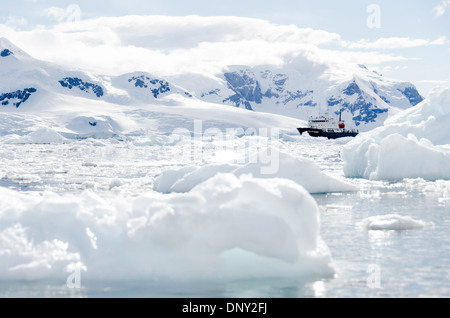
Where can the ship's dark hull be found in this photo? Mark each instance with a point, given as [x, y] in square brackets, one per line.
[328, 134]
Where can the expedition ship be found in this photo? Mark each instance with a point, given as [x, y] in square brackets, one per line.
[328, 127]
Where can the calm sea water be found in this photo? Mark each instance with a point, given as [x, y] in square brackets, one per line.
[414, 263]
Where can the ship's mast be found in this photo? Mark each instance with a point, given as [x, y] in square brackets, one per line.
[341, 123]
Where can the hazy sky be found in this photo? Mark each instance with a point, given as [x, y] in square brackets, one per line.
[415, 32]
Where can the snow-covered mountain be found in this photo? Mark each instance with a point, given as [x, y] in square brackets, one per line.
[35, 94]
[365, 97]
[22, 76]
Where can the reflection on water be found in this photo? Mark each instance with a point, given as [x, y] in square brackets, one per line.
[261, 288]
[411, 263]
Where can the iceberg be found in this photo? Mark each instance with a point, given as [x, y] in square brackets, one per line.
[413, 144]
[393, 222]
[272, 224]
[302, 171]
[42, 135]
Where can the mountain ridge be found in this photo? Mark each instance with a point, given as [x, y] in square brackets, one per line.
[365, 98]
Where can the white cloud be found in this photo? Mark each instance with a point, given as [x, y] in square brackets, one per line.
[370, 58]
[169, 44]
[440, 9]
[16, 22]
[389, 68]
[393, 43]
[435, 82]
[55, 12]
[168, 32]
[440, 41]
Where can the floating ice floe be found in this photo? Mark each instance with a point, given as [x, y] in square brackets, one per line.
[269, 163]
[42, 135]
[394, 222]
[207, 233]
[413, 144]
